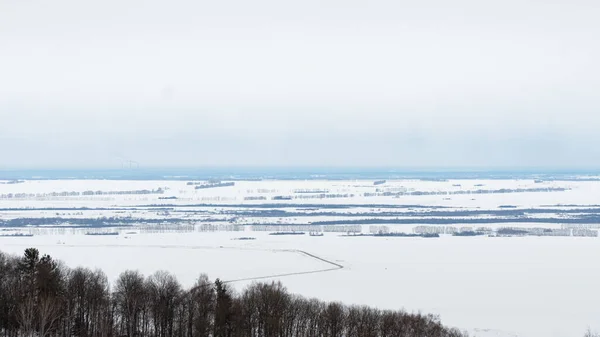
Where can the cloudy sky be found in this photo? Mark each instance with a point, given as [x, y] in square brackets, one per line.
[435, 83]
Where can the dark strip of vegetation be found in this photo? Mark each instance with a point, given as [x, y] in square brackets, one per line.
[33, 209]
[12, 182]
[124, 222]
[584, 215]
[396, 235]
[82, 222]
[199, 187]
[287, 233]
[311, 191]
[278, 210]
[468, 233]
[457, 221]
[271, 205]
[97, 222]
[103, 234]
[42, 297]
[512, 231]
[450, 213]
[77, 194]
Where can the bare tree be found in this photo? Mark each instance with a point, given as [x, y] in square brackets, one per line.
[590, 333]
[49, 312]
[164, 293]
[40, 297]
[129, 299]
[334, 319]
[201, 307]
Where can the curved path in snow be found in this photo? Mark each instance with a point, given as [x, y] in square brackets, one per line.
[332, 265]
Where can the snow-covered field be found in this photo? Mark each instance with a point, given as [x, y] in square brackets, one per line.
[580, 192]
[491, 286]
[523, 286]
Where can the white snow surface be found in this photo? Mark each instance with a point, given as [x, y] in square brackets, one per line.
[529, 286]
[581, 192]
[490, 286]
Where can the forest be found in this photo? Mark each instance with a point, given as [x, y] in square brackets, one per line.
[41, 296]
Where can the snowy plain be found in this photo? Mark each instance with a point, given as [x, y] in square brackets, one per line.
[491, 286]
[578, 192]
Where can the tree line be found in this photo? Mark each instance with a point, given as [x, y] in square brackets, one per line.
[40, 296]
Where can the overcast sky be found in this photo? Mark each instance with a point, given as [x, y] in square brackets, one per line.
[437, 83]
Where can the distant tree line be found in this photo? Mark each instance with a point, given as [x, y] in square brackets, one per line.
[40, 296]
[467, 192]
[99, 222]
[214, 185]
[290, 205]
[77, 194]
[419, 214]
[458, 221]
[12, 182]
[251, 210]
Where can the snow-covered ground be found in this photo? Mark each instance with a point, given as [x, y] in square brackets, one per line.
[492, 286]
[526, 286]
[580, 192]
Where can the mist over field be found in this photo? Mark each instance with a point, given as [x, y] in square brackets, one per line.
[335, 83]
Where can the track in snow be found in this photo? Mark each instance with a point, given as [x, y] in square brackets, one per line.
[334, 266]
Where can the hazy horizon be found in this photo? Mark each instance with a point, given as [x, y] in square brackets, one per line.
[316, 83]
[301, 173]
[135, 166]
